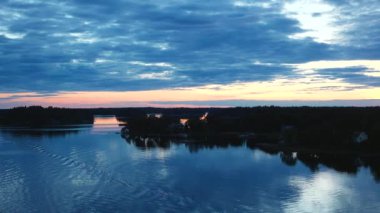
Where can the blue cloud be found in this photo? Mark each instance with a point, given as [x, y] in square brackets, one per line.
[353, 75]
[89, 44]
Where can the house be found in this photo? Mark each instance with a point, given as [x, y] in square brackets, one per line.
[360, 137]
[204, 117]
[154, 115]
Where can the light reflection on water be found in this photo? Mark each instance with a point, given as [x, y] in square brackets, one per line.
[87, 171]
[105, 123]
[323, 192]
[101, 120]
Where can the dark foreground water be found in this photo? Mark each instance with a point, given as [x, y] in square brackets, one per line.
[93, 169]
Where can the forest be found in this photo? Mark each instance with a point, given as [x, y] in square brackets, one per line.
[335, 128]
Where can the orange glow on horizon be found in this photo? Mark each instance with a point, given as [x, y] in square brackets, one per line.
[280, 89]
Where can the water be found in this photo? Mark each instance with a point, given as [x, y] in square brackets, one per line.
[94, 169]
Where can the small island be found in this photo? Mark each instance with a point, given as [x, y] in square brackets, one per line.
[334, 128]
[37, 116]
[342, 138]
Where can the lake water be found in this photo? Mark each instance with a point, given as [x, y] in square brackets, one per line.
[91, 168]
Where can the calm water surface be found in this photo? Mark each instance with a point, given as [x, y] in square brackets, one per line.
[93, 169]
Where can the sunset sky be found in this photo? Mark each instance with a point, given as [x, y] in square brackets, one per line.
[120, 53]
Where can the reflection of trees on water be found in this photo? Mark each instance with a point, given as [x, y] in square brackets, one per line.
[193, 143]
[310, 160]
[144, 142]
[374, 166]
[288, 158]
[39, 133]
[347, 163]
[197, 146]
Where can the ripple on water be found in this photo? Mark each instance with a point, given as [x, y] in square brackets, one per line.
[94, 187]
[13, 190]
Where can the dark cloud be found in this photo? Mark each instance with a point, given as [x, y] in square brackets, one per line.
[51, 46]
[353, 75]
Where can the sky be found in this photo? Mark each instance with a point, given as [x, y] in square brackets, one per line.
[189, 53]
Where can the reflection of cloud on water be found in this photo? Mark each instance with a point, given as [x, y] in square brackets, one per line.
[158, 157]
[104, 124]
[323, 192]
[163, 172]
[260, 156]
[85, 181]
[164, 154]
[101, 157]
[153, 154]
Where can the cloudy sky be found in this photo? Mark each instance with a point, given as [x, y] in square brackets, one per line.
[85, 53]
